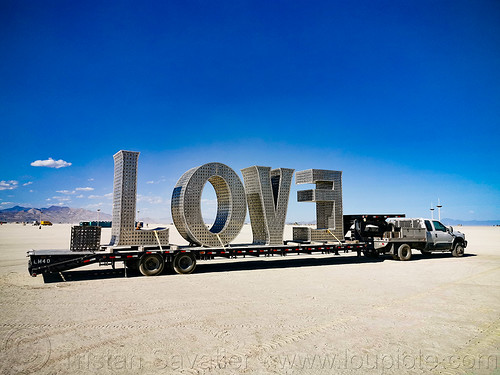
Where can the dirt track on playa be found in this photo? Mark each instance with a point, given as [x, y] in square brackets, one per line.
[299, 314]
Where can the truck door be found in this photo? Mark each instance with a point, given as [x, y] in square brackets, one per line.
[443, 240]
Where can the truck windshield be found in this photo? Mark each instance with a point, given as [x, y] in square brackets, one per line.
[439, 226]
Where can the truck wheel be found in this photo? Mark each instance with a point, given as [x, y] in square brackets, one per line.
[404, 252]
[151, 264]
[458, 250]
[184, 263]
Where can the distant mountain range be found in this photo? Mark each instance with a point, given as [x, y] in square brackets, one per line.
[55, 214]
[477, 223]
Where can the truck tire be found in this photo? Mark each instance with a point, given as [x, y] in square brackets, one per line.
[184, 263]
[404, 252]
[458, 250]
[151, 264]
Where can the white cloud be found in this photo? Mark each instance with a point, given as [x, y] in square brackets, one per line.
[162, 179]
[8, 185]
[80, 196]
[62, 199]
[51, 163]
[6, 203]
[84, 189]
[149, 199]
[65, 191]
[108, 196]
[27, 183]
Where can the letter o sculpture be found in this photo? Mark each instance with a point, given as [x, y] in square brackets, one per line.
[231, 205]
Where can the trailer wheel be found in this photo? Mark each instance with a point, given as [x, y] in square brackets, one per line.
[184, 263]
[404, 252]
[151, 264]
[458, 250]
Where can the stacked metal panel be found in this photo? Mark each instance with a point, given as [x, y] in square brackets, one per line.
[123, 230]
[85, 238]
[231, 205]
[328, 198]
[267, 194]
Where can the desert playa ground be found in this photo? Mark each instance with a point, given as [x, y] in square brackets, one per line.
[299, 314]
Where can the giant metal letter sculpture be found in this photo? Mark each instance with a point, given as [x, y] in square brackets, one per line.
[231, 205]
[328, 198]
[123, 230]
[267, 196]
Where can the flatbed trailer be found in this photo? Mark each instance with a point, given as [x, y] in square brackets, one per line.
[152, 260]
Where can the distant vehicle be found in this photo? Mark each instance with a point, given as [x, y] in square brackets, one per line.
[45, 222]
[100, 223]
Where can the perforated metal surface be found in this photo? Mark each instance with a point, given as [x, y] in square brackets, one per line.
[231, 205]
[85, 238]
[123, 231]
[328, 198]
[267, 194]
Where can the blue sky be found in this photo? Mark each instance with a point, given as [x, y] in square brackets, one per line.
[402, 96]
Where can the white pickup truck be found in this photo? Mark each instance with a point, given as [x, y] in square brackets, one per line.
[425, 235]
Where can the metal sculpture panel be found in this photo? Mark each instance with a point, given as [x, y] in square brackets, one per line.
[328, 198]
[267, 193]
[231, 205]
[123, 230]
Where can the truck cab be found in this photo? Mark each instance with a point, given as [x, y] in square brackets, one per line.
[426, 235]
[439, 237]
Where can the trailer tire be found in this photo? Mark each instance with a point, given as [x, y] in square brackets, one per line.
[404, 252]
[184, 263]
[151, 264]
[458, 250]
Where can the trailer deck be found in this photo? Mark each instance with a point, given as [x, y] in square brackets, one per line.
[150, 260]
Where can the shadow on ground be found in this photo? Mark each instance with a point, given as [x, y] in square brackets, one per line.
[247, 264]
